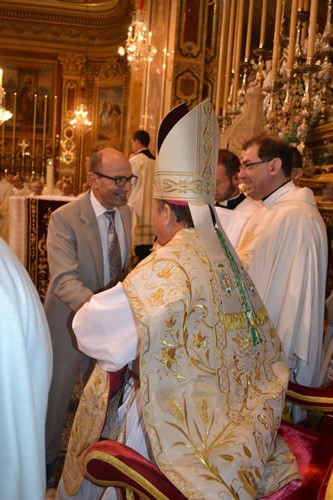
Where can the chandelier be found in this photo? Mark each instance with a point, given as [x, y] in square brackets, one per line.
[81, 117]
[4, 113]
[138, 46]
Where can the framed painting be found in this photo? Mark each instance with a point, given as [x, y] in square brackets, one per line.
[108, 114]
[22, 80]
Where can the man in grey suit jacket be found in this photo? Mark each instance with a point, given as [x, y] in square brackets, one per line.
[79, 267]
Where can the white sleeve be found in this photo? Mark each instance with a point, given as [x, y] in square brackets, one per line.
[105, 329]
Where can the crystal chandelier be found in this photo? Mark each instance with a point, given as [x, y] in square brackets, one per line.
[81, 117]
[4, 113]
[138, 46]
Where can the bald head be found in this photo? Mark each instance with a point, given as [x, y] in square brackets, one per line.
[108, 156]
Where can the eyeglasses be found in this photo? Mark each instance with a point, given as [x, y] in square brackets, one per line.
[249, 164]
[120, 180]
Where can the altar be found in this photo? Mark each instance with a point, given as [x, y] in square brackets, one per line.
[28, 223]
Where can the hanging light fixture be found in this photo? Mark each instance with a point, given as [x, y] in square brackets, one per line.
[81, 113]
[4, 113]
[81, 117]
[138, 46]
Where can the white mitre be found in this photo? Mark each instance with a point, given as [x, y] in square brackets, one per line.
[187, 155]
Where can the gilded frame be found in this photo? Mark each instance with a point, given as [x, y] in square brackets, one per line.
[109, 113]
[26, 78]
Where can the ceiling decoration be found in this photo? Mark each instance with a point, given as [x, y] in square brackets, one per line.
[97, 28]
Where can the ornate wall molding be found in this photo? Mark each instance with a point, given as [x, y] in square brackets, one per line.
[72, 64]
[90, 30]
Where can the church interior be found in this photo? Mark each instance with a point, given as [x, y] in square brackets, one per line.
[80, 75]
[75, 78]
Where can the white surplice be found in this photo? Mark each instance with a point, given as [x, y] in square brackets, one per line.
[233, 221]
[25, 368]
[284, 247]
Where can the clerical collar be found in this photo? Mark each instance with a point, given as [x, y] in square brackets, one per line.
[224, 203]
[146, 152]
[268, 195]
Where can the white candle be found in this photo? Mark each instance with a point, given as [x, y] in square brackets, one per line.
[54, 125]
[34, 127]
[222, 59]
[14, 124]
[49, 176]
[3, 130]
[240, 15]
[263, 24]
[292, 36]
[276, 43]
[249, 31]
[229, 54]
[44, 124]
[312, 30]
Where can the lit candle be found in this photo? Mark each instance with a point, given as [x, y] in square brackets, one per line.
[14, 124]
[44, 125]
[1, 74]
[276, 43]
[54, 125]
[292, 36]
[34, 127]
[249, 31]
[263, 24]
[312, 30]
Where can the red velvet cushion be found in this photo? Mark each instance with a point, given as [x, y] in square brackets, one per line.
[313, 452]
